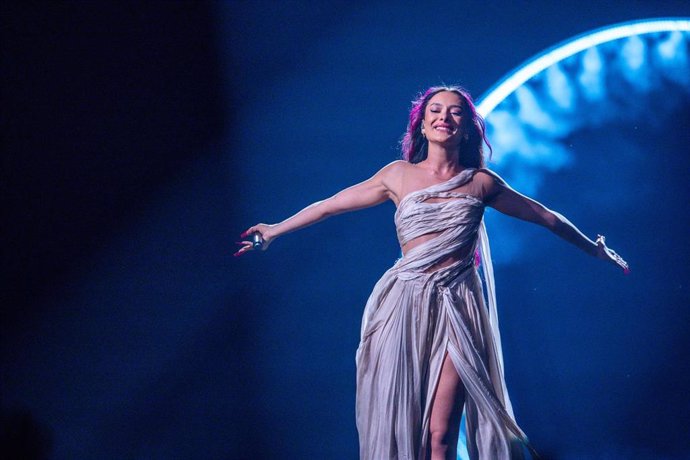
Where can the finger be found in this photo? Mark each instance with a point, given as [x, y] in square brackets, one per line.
[617, 257]
[242, 251]
[249, 231]
[623, 264]
[245, 245]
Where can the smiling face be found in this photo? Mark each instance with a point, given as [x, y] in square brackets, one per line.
[443, 118]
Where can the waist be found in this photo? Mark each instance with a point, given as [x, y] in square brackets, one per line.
[443, 273]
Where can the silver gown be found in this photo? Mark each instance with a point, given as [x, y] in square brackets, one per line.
[416, 315]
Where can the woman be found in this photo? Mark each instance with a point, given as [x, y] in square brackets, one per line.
[430, 343]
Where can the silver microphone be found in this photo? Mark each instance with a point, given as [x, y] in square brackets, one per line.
[257, 240]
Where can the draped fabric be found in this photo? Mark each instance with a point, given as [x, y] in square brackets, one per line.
[417, 314]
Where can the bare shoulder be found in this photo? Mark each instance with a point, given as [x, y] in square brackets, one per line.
[393, 173]
[392, 177]
[394, 168]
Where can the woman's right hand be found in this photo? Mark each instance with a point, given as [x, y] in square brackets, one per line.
[267, 235]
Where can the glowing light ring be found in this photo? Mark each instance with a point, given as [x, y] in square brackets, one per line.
[513, 81]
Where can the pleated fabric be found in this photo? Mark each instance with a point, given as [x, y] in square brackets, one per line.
[415, 315]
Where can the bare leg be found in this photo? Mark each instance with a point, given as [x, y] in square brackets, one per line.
[446, 413]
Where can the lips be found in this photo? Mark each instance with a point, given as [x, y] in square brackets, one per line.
[445, 129]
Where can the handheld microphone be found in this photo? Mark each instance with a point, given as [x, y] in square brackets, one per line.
[257, 240]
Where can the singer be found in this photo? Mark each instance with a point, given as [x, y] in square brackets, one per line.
[430, 344]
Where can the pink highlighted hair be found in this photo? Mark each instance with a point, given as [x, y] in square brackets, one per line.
[414, 146]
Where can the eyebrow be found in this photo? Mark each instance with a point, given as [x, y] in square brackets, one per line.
[451, 106]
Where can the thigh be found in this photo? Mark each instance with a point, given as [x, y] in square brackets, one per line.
[446, 410]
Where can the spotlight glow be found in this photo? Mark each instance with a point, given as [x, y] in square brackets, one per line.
[508, 85]
[608, 76]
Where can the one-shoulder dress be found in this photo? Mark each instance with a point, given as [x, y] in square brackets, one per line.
[416, 315]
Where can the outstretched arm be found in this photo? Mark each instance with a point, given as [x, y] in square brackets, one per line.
[503, 198]
[372, 191]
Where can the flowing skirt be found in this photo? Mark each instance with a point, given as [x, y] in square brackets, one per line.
[411, 321]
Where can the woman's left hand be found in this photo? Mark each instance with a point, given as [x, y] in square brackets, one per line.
[609, 255]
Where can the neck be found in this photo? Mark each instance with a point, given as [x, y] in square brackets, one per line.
[443, 161]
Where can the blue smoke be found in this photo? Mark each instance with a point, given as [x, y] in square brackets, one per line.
[610, 83]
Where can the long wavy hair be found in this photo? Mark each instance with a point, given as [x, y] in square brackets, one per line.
[415, 147]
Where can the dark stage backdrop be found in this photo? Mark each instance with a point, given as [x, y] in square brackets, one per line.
[140, 138]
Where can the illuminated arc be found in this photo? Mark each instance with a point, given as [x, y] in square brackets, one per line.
[514, 80]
